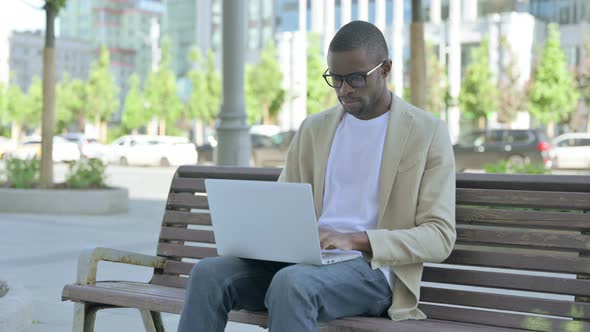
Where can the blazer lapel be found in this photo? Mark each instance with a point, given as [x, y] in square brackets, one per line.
[398, 130]
[322, 153]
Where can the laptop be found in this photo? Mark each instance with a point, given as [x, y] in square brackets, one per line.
[265, 220]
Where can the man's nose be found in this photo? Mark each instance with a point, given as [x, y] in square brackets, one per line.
[345, 88]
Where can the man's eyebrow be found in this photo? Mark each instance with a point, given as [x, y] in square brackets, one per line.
[353, 73]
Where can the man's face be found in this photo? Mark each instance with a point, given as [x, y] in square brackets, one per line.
[359, 102]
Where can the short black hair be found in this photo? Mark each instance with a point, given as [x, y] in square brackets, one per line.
[360, 34]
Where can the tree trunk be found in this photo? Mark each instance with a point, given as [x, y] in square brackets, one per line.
[551, 129]
[80, 122]
[162, 127]
[16, 132]
[103, 132]
[48, 118]
[417, 58]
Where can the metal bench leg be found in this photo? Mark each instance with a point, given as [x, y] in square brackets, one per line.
[84, 317]
[152, 320]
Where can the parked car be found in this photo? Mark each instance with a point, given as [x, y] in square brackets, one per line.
[271, 151]
[89, 147]
[148, 150]
[63, 150]
[6, 144]
[518, 147]
[571, 150]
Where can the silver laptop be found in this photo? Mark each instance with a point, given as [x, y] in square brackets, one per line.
[268, 221]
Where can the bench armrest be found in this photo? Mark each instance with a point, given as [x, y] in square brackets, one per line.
[89, 258]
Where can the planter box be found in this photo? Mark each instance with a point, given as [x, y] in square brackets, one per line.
[64, 201]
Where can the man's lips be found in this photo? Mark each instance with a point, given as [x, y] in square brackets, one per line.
[348, 101]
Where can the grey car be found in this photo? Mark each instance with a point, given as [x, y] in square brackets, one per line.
[518, 147]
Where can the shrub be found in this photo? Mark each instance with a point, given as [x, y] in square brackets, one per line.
[21, 173]
[503, 167]
[87, 173]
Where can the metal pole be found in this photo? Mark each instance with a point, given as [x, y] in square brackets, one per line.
[232, 129]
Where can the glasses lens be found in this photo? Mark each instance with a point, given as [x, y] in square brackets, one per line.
[356, 81]
[333, 81]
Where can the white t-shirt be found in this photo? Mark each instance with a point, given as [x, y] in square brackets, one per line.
[351, 190]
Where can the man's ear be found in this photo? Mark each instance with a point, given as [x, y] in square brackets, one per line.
[386, 68]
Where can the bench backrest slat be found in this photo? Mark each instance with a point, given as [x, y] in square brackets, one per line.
[514, 233]
[524, 219]
[502, 280]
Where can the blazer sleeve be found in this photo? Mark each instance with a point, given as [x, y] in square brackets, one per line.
[292, 172]
[433, 237]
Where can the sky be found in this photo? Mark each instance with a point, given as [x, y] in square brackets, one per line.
[20, 15]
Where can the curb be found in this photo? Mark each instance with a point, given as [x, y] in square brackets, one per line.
[16, 309]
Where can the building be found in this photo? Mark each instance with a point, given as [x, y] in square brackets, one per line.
[191, 23]
[127, 28]
[72, 57]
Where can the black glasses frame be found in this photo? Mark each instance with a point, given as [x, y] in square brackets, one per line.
[353, 80]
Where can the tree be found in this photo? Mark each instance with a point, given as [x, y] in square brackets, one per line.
[134, 115]
[478, 96]
[552, 95]
[264, 81]
[205, 97]
[583, 80]
[102, 92]
[16, 109]
[161, 93]
[319, 95]
[34, 103]
[437, 84]
[72, 103]
[52, 8]
[512, 97]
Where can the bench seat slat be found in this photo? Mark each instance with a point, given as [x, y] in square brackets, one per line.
[520, 261]
[186, 218]
[180, 251]
[503, 319]
[528, 239]
[514, 218]
[530, 199]
[506, 302]
[183, 234]
[532, 283]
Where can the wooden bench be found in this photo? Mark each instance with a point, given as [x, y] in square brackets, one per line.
[521, 261]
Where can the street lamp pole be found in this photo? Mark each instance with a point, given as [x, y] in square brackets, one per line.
[233, 147]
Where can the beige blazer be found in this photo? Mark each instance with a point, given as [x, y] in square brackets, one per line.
[416, 195]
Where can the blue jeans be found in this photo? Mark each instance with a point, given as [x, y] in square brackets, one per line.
[296, 296]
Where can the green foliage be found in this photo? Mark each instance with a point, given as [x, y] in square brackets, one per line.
[86, 173]
[205, 97]
[16, 105]
[478, 96]
[21, 173]
[504, 167]
[3, 101]
[319, 95]
[116, 132]
[34, 102]
[102, 91]
[264, 80]
[57, 4]
[72, 96]
[134, 115]
[437, 84]
[552, 95]
[512, 97]
[160, 90]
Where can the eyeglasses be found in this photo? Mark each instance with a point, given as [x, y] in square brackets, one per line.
[355, 81]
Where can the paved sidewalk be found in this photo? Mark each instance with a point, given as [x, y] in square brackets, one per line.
[40, 252]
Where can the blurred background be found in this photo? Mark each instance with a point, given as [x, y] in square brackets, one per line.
[139, 81]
